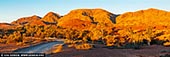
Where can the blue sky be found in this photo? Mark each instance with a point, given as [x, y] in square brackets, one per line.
[11, 10]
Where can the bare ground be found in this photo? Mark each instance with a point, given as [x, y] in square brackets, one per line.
[8, 48]
[39, 48]
[100, 51]
[5, 48]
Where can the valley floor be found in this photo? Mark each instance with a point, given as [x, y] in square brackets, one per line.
[9, 47]
[100, 51]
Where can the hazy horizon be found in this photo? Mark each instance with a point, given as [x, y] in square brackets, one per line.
[11, 10]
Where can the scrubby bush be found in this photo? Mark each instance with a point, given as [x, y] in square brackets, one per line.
[20, 43]
[3, 41]
[58, 49]
[167, 44]
[110, 40]
[84, 46]
[67, 41]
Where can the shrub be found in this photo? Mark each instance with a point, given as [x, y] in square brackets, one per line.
[110, 40]
[3, 41]
[71, 45]
[67, 41]
[58, 49]
[84, 46]
[166, 44]
[20, 43]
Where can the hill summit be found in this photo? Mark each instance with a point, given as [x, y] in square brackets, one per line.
[51, 17]
[99, 18]
[87, 16]
[147, 17]
[26, 20]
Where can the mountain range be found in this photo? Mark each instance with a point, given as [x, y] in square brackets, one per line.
[86, 18]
